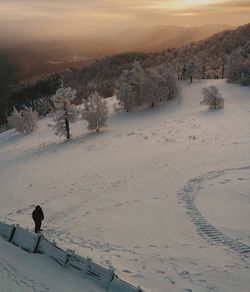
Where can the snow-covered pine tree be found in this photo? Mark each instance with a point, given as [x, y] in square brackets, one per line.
[95, 112]
[212, 97]
[66, 112]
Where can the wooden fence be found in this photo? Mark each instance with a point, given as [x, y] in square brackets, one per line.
[37, 243]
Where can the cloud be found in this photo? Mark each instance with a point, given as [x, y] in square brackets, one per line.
[219, 7]
[233, 4]
[78, 8]
[69, 17]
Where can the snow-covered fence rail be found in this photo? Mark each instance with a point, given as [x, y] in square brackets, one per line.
[119, 285]
[105, 277]
[7, 231]
[53, 251]
[99, 274]
[25, 239]
[78, 263]
[36, 243]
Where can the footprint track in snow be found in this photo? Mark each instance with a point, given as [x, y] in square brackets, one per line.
[23, 281]
[205, 229]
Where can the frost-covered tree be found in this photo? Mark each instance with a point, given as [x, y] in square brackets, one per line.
[223, 60]
[212, 97]
[204, 64]
[15, 121]
[125, 91]
[154, 89]
[235, 67]
[91, 87]
[190, 70]
[183, 72]
[95, 112]
[245, 72]
[178, 67]
[170, 81]
[24, 121]
[128, 87]
[66, 112]
[139, 75]
[30, 119]
[150, 86]
[42, 105]
[239, 69]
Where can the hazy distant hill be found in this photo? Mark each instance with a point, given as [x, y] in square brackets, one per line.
[163, 37]
[38, 58]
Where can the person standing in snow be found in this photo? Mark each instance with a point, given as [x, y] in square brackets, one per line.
[38, 217]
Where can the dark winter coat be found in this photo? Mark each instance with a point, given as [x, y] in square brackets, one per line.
[37, 214]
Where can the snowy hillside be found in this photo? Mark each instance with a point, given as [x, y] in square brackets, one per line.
[162, 194]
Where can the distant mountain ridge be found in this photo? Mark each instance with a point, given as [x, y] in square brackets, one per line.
[38, 58]
[163, 37]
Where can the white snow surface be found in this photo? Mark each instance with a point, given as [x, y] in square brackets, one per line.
[119, 196]
[23, 272]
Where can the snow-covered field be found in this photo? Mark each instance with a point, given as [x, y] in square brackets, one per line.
[162, 195]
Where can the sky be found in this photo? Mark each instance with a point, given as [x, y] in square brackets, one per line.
[57, 18]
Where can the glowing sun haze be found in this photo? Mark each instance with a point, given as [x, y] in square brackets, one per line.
[58, 18]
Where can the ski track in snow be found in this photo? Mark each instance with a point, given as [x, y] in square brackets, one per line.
[205, 229]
